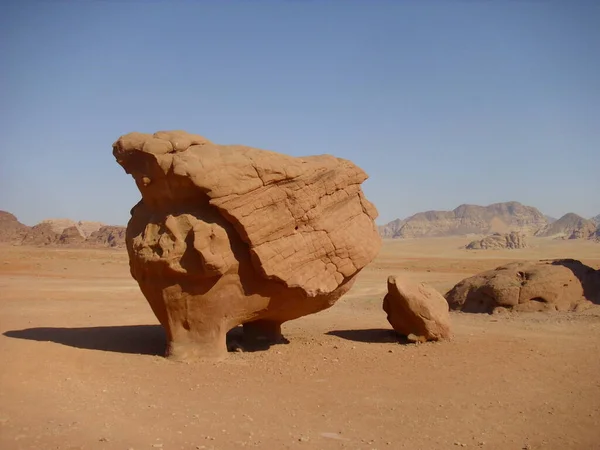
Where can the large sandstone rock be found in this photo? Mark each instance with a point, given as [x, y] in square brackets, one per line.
[468, 219]
[513, 240]
[554, 285]
[569, 226]
[416, 309]
[227, 235]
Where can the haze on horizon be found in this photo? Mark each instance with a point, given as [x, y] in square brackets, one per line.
[441, 103]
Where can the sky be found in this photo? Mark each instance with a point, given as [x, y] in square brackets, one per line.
[440, 102]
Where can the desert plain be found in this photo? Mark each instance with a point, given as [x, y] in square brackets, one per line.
[83, 366]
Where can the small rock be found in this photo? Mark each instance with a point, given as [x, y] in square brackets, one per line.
[416, 310]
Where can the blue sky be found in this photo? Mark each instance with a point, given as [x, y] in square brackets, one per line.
[441, 102]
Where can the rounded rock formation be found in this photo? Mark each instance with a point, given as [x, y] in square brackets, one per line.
[513, 240]
[416, 309]
[548, 285]
[227, 235]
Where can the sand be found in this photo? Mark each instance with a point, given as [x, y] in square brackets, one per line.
[82, 366]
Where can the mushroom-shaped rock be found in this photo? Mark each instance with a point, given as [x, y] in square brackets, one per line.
[547, 285]
[227, 235]
[416, 309]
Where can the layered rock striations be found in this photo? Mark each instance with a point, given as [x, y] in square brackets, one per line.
[227, 235]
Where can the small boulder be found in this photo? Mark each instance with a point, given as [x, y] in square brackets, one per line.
[416, 309]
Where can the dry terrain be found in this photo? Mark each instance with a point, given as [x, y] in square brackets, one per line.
[82, 366]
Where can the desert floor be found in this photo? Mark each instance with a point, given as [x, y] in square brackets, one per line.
[81, 366]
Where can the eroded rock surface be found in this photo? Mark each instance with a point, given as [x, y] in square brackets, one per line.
[227, 235]
[548, 285]
[496, 241]
[416, 309]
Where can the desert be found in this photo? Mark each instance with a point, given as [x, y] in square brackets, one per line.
[298, 225]
[84, 367]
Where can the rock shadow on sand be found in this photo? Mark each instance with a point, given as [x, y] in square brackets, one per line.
[373, 335]
[131, 339]
[128, 339]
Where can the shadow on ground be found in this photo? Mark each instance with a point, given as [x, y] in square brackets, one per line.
[138, 339]
[132, 339]
[375, 335]
[237, 341]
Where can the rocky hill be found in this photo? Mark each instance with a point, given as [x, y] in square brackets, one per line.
[468, 219]
[391, 229]
[84, 228]
[60, 232]
[11, 230]
[108, 236]
[513, 240]
[569, 226]
[596, 219]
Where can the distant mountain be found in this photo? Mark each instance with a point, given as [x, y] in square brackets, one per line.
[11, 230]
[391, 229]
[468, 219]
[60, 232]
[550, 219]
[84, 228]
[108, 236]
[569, 226]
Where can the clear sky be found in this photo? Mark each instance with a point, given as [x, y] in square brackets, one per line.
[441, 102]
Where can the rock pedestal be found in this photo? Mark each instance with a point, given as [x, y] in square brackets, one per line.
[230, 235]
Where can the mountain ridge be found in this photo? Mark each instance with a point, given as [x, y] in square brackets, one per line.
[60, 232]
[467, 219]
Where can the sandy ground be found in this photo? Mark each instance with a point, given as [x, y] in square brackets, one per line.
[82, 367]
